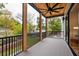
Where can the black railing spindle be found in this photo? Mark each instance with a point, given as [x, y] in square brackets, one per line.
[6, 47]
[14, 46]
[2, 47]
[11, 45]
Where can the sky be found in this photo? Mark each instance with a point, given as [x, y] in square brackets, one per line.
[14, 8]
[33, 11]
[39, 1]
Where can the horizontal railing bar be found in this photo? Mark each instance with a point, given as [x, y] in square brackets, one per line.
[9, 36]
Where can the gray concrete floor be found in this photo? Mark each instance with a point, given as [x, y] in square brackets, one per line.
[49, 47]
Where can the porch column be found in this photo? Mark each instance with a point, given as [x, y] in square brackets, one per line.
[64, 27]
[25, 45]
[46, 27]
[68, 27]
[40, 22]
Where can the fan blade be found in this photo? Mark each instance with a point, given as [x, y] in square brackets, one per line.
[47, 5]
[42, 9]
[46, 12]
[50, 13]
[58, 8]
[55, 5]
[55, 11]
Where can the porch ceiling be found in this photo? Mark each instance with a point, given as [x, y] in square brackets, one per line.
[50, 9]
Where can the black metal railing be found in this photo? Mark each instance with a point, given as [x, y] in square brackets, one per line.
[43, 35]
[33, 38]
[56, 34]
[10, 46]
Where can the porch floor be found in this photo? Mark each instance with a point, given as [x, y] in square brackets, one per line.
[49, 47]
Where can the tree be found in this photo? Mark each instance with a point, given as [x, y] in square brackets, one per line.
[17, 28]
[38, 24]
[55, 24]
[5, 23]
[2, 5]
[66, 24]
[8, 23]
[30, 25]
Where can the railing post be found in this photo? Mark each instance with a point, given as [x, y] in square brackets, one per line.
[46, 27]
[40, 22]
[25, 44]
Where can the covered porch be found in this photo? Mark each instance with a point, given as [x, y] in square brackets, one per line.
[48, 45]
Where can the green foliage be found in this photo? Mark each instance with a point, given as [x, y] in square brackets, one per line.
[5, 22]
[11, 24]
[55, 24]
[17, 29]
[30, 25]
[2, 5]
[8, 23]
[66, 27]
[38, 24]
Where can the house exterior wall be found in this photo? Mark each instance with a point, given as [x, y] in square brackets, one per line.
[73, 24]
[74, 29]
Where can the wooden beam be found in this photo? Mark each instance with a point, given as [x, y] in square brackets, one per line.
[25, 44]
[33, 5]
[40, 26]
[46, 27]
[67, 8]
[71, 8]
[55, 16]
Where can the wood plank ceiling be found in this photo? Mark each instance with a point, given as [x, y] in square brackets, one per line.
[50, 9]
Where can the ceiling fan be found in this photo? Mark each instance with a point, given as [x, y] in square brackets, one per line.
[51, 9]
